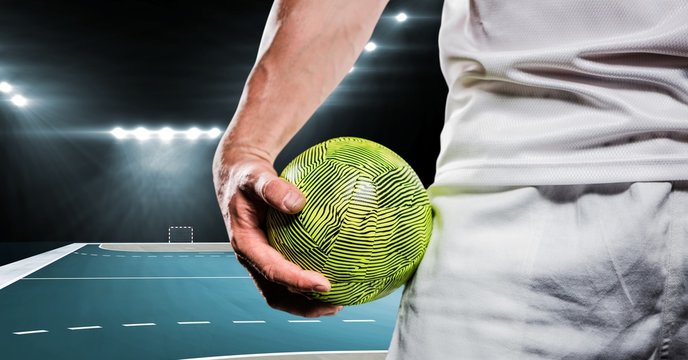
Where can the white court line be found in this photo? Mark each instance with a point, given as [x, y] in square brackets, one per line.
[30, 332]
[312, 354]
[249, 321]
[303, 321]
[138, 278]
[85, 327]
[138, 325]
[11, 273]
[192, 322]
[359, 321]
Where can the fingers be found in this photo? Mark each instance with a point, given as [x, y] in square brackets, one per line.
[288, 299]
[275, 268]
[279, 193]
[250, 242]
[247, 185]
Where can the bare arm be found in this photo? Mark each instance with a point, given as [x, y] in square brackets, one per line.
[307, 48]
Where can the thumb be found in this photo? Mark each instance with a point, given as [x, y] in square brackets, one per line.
[280, 194]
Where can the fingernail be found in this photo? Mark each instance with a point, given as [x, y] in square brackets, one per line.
[292, 201]
[321, 288]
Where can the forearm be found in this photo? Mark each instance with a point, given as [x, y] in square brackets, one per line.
[308, 47]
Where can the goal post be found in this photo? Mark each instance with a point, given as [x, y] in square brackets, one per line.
[180, 234]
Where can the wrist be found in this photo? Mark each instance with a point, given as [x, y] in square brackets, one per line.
[246, 151]
[232, 150]
[235, 164]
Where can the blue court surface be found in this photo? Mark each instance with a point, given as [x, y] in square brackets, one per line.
[95, 303]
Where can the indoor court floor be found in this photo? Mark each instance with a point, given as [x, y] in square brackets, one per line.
[168, 301]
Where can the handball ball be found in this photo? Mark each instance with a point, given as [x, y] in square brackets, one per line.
[366, 223]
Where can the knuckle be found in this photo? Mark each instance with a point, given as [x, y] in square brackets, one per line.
[270, 272]
[240, 177]
[265, 186]
[246, 177]
[300, 284]
[242, 248]
[239, 244]
[236, 245]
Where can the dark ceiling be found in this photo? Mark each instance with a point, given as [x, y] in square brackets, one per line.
[88, 66]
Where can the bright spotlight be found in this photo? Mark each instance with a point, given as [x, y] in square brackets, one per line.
[142, 133]
[371, 46]
[193, 133]
[214, 133]
[352, 69]
[5, 87]
[401, 17]
[166, 134]
[19, 100]
[119, 133]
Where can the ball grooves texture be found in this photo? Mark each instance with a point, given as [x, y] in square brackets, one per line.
[366, 223]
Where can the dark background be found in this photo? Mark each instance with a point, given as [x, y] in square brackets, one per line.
[88, 66]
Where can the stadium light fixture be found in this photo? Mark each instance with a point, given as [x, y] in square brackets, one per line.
[214, 133]
[19, 100]
[5, 87]
[142, 133]
[166, 134]
[193, 133]
[119, 133]
[371, 46]
[401, 17]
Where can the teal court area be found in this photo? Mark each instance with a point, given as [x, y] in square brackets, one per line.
[99, 303]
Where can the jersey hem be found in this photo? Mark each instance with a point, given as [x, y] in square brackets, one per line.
[514, 174]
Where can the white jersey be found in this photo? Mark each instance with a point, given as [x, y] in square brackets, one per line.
[564, 92]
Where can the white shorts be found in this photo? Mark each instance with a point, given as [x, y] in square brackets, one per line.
[551, 272]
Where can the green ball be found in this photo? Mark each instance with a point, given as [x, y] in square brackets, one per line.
[366, 223]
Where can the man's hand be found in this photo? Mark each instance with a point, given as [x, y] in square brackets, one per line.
[307, 48]
[246, 184]
[281, 298]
